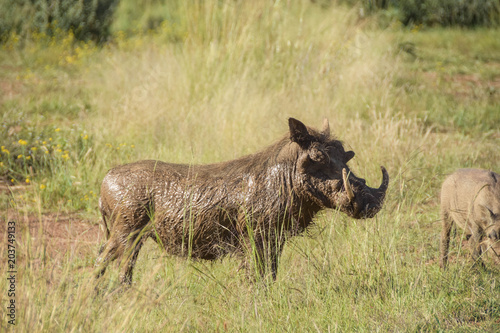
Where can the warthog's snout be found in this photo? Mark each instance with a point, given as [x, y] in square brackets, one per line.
[365, 201]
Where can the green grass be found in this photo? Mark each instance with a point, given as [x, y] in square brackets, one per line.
[219, 84]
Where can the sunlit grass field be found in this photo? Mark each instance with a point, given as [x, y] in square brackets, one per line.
[220, 83]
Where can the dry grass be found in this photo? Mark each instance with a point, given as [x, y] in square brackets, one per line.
[219, 84]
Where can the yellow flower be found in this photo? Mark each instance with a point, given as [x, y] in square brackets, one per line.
[70, 59]
[22, 142]
[42, 186]
[1, 164]
[34, 148]
[28, 157]
[44, 143]
[59, 150]
[27, 180]
[132, 146]
[50, 139]
[57, 129]
[19, 156]
[46, 152]
[85, 137]
[65, 156]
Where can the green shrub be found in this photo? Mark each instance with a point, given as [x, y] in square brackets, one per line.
[37, 152]
[465, 13]
[88, 19]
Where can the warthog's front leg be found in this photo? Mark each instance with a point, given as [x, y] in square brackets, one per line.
[260, 258]
[475, 244]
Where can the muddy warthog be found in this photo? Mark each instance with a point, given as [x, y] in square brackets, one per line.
[471, 199]
[249, 205]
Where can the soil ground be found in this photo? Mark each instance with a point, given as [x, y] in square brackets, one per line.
[59, 234]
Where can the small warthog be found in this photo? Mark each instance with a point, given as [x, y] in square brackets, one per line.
[249, 205]
[471, 199]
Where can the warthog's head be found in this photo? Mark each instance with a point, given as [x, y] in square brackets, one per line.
[488, 203]
[492, 233]
[323, 178]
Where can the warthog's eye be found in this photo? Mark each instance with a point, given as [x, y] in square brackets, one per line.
[494, 235]
[318, 156]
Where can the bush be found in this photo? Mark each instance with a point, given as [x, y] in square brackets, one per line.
[88, 19]
[465, 13]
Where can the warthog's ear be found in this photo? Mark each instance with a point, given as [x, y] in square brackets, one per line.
[298, 132]
[492, 217]
[494, 176]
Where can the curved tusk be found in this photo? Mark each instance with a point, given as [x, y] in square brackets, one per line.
[385, 182]
[347, 185]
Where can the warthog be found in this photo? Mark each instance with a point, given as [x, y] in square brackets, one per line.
[249, 205]
[471, 199]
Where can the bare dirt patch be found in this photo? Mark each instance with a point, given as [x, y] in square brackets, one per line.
[57, 235]
[465, 85]
[9, 89]
[10, 86]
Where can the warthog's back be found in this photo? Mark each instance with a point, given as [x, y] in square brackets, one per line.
[129, 191]
[130, 186]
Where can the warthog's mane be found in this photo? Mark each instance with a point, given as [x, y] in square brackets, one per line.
[279, 152]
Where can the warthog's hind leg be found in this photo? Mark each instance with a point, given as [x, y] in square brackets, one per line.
[107, 253]
[131, 253]
[447, 223]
